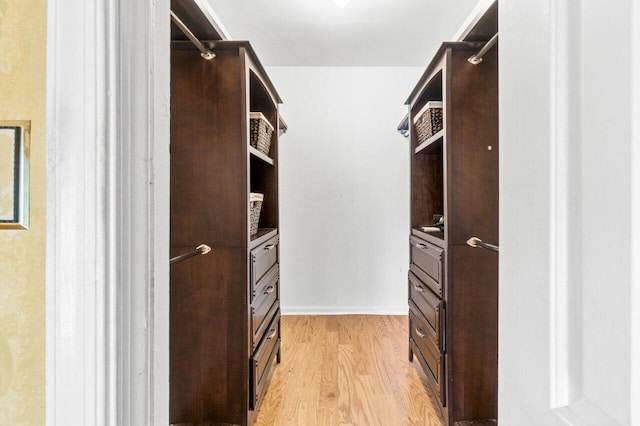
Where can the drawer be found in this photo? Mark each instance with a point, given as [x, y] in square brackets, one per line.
[262, 361]
[434, 285]
[260, 321]
[263, 258]
[260, 289]
[427, 353]
[429, 305]
[426, 262]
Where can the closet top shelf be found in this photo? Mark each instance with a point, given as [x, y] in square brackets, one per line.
[403, 127]
[199, 18]
[483, 26]
[226, 45]
[436, 65]
[282, 125]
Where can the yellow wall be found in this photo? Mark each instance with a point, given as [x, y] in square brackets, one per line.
[22, 253]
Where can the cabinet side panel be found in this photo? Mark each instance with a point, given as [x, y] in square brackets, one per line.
[208, 344]
[208, 150]
[209, 204]
[472, 145]
[472, 327]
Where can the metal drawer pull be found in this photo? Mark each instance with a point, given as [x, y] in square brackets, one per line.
[269, 289]
[418, 288]
[477, 242]
[421, 333]
[202, 249]
[269, 247]
[422, 246]
[272, 333]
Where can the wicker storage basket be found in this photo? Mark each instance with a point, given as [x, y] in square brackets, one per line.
[255, 205]
[428, 121]
[261, 132]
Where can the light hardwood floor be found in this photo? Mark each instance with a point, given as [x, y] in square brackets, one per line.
[347, 370]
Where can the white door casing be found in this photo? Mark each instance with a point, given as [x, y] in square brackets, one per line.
[107, 212]
[568, 212]
[635, 215]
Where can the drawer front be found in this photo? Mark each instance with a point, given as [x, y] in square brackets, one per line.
[427, 353]
[434, 285]
[261, 290]
[263, 258]
[426, 259]
[263, 361]
[261, 320]
[429, 305]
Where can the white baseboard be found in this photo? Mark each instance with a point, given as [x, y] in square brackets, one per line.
[345, 310]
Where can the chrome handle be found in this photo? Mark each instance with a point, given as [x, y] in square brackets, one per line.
[269, 247]
[421, 333]
[269, 289]
[418, 288]
[272, 333]
[477, 242]
[421, 246]
[202, 249]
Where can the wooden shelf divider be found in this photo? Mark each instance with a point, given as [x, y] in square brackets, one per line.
[433, 139]
[261, 156]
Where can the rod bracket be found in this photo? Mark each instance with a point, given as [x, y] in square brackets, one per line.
[477, 58]
[202, 249]
[206, 54]
[476, 242]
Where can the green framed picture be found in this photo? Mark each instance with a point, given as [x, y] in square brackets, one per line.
[14, 174]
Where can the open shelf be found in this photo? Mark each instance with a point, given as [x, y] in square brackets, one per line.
[430, 143]
[432, 91]
[262, 235]
[263, 179]
[427, 180]
[261, 156]
[435, 237]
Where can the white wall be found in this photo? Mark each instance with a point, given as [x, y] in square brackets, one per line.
[344, 189]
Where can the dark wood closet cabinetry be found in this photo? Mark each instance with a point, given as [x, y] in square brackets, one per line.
[453, 287]
[225, 317]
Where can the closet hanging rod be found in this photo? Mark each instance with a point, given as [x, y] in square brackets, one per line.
[477, 242]
[204, 52]
[202, 249]
[477, 58]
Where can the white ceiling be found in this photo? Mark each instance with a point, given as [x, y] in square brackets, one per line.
[364, 33]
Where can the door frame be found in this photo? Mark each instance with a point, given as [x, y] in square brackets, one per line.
[107, 278]
[107, 274]
[635, 213]
[546, 45]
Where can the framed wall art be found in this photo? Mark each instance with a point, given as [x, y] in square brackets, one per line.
[14, 174]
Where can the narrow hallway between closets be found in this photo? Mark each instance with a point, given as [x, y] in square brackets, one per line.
[347, 370]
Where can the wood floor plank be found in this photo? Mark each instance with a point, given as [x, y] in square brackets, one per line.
[347, 370]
